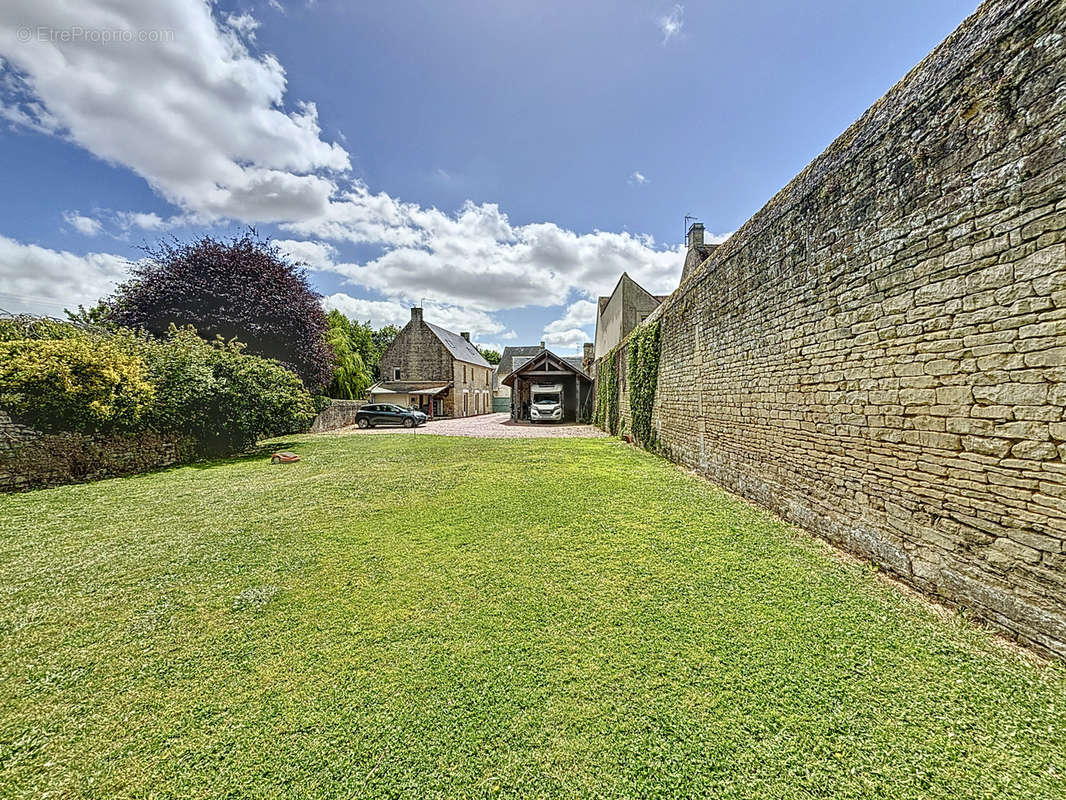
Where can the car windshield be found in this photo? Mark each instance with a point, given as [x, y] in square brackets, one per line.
[546, 399]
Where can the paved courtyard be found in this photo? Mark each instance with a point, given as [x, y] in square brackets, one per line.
[488, 426]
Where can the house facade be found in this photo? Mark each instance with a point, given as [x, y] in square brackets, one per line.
[433, 369]
[619, 313]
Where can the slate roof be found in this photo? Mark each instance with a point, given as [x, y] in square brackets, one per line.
[460, 348]
[571, 361]
[506, 365]
[575, 361]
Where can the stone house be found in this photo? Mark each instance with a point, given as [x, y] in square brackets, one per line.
[435, 370]
[619, 313]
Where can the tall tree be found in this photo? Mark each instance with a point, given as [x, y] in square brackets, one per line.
[241, 288]
[351, 377]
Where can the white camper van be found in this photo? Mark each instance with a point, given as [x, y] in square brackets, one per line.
[546, 402]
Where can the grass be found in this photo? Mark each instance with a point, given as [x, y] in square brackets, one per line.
[417, 616]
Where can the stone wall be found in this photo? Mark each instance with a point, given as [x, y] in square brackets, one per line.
[879, 354]
[30, 459]
[338, 414]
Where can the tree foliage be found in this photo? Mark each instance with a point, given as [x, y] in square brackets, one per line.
[490, 355]
[241, 288]
[352, 346]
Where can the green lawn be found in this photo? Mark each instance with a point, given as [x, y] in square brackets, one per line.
[416, 616]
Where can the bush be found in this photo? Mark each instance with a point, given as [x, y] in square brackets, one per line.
[212, 392]
[242, 288]
[221, 396]
[73, 384]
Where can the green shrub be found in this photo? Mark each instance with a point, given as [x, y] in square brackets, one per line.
[254, 398]
[221, 396]
[74, 384]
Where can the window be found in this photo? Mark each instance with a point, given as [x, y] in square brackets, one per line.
[464, 373]
[395, 373]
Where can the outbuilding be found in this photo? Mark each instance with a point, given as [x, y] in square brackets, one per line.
[548, 369]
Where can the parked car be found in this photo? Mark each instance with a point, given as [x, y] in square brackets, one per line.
[388, 414]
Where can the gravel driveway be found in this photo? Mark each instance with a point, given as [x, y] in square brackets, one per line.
[487, 426]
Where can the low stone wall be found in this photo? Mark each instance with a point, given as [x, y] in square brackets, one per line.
[338, 414]
[879, 354]
[30, 459]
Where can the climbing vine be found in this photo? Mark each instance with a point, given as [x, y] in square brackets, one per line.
[643, 378]
[607, 394]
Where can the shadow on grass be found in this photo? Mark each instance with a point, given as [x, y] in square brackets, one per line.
[259, 452]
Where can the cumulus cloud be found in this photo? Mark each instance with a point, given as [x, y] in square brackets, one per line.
[43, 281]
[569, 332]
[86, 226]
[390, 312]
[638, 178]
[204, 120]
[196, 113]
[478, 259]
[670, 25]
[316, 255]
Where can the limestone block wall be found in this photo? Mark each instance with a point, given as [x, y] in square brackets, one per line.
[879, 354]
[338, 414]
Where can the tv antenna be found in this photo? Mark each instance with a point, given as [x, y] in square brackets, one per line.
[687, 218]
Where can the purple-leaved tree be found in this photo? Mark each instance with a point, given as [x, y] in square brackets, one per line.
[241, 288]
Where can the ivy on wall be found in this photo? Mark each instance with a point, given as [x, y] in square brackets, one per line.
[643, 378]
[607, 395]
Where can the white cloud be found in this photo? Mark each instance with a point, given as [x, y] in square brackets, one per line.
[244, 24]
[204, 120]
[671, 24]
[145, 221]
[86, 226]
[42, 281]
[316, 255]
[477, 259]
[196, 114]
[638, 178]
[569, 331]
[389, 312]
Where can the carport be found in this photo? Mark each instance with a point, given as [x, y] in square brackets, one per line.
[549, 369]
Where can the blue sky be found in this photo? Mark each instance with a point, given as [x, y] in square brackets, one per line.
[503, 160]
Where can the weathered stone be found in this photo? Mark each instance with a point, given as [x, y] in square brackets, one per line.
[896, 385]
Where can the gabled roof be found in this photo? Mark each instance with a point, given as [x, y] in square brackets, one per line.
[506, 364]
[530, 366]
[460, 348]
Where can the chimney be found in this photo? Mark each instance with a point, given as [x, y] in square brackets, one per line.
[542, 347]
[589, 353]
[465, 335]
[416, 314]
[695, 235]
